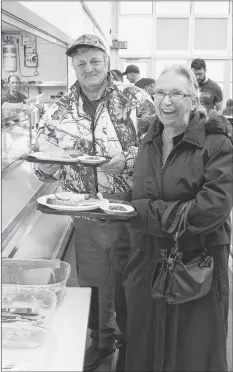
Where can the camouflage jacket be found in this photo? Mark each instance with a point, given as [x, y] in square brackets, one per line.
[123, 113]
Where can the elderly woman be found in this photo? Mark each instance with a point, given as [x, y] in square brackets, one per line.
[182, 158]
[13, 95]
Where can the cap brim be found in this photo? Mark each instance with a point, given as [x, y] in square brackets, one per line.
[124, 73]
[70, 50]
[73, 48]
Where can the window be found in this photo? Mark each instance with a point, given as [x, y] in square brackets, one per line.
[231, 93]
[215, 70]
[172, 7]
[172, 34]
[210, 34]
[138, 32]
[221, 85]
[231, 71]
[136, 7]
[211, 7]
[160, 64]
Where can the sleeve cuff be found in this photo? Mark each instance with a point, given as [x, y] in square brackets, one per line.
[45, 177]
[139, 223]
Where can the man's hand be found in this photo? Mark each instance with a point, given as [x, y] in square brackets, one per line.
[116, 165]
[48, 169]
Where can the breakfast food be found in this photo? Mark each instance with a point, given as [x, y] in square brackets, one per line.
[66, 199]
[92, 157]
[51, 155]
[74, 153]
[71, 203]
[117, 208]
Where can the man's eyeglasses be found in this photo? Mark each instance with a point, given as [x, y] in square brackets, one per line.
[174, 95]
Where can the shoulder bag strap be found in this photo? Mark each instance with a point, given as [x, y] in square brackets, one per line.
[181, 227]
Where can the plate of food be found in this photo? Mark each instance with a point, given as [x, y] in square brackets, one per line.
[70, 201]
[118, 209]
[53, 156]
[92, 159]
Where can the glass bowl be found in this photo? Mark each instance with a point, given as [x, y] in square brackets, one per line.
[36, 274]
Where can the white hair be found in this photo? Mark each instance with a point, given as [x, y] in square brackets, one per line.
[185, 70]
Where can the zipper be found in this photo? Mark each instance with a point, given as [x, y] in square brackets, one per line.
[93, 126]
[165, 164]
[94, 153]
[160, 190]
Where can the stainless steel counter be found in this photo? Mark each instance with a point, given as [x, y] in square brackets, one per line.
[18, 187]
[17, 134]
[26, 232]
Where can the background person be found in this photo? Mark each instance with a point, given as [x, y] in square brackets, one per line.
[211, 94]
[228, 110]
[132, 73]
[183, 157]
[104, 117]
[117, 75]
[13, 95]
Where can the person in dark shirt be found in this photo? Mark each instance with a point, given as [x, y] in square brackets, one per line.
[211, 93]
[132, 73]
[13, 95]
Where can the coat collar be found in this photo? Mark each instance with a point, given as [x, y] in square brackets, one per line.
[77, 91]
[195, 133]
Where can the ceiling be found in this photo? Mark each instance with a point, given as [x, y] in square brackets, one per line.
[6, 27]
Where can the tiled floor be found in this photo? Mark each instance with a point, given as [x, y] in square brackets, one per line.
[110, 361]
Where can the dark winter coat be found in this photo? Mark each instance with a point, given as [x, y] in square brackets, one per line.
[191, 336]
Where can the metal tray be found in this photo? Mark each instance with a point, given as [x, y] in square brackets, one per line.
[97, 213]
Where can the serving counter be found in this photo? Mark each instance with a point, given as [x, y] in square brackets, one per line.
[63, 345]
[69, 331]
[26, 232]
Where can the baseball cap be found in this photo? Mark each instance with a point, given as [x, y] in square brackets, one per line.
[131, 68]
[86, 40]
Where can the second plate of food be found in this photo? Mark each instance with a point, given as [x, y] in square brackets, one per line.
[115, 209]
[89, 159]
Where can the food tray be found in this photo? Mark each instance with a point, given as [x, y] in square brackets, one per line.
[73, 161]
[97, 213]
[33, 159]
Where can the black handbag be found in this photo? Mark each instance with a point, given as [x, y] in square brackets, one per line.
[179, 282]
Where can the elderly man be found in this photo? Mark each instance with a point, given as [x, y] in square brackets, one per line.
[104, 117]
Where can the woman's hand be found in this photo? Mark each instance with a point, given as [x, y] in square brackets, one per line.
[116, 165]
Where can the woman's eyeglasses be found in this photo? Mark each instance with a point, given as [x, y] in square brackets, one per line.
[174, 95]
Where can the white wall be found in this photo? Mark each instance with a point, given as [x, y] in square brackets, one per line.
[52, 65]
[102, 12]
[65, 15]
[72, 19]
